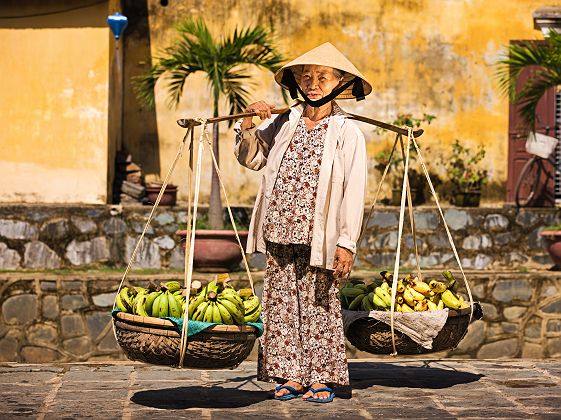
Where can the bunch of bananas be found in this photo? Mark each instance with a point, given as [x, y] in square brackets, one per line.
[412, 295]
[165, 300]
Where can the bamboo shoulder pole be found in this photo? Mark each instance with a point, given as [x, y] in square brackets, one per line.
[191, 122]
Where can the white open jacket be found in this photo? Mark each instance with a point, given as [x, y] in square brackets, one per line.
[341, 185]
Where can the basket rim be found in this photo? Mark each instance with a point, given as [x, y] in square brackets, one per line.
[451, 312]
[167, 324]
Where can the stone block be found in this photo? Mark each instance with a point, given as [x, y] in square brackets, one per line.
[72, 325]
[553, 307]
[32, 354]
[48, 286]
[535, 241]
[139, 227]
[147, 256]
[457, 219]
[79, 346]
[41, 334]
[20, 309]
[514, 313]
[532, 351]
[181, 217]
[482, 261]
[84, 225]
[504, 238]
[496, 222]
[515, 258]
[86, 252]
[381, 260]
[510, 290]
[386, 240]
[55, 230]
[493, 330]
[533, 329]
[478, 291]
[73, 302]
[104, 300]
[554, 347]
[474, 337]
[39, 255]
[164, 218]
[177, 258]
[408, 242]
[553, 326]
[15, 229]
[109, 343]
[114, 226]
[165, 242]
[9, 258]
[543, 259]
[489, 311]
[548, 288]
[526, 218]
[430, 260]
[509, 327]
[96, 322]
[438, 241]
[9, 349]
[71, 284]
[499, 349]
[426, 220]
[50, 307]
[477, 242]
[383, 220]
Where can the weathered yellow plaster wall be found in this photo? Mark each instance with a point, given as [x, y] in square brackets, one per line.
[433, 56]
[54, 90]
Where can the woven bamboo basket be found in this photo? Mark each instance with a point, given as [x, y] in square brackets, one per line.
[373, 336]
[157, 341]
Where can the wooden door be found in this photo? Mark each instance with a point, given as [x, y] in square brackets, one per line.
[517, 134]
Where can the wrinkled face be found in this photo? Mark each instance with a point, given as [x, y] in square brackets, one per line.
[318, 81]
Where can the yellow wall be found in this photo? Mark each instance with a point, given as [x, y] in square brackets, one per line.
[432, 56]
[53, 112]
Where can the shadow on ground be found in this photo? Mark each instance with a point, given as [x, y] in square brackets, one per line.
[367, 374]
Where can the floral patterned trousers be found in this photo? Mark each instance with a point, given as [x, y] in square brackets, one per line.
[303, 337]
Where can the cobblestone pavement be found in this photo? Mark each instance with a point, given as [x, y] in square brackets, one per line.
[396, 388]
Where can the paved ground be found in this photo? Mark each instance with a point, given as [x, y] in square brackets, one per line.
[443, 389]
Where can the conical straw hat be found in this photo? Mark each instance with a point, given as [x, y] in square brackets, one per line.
[326, 55]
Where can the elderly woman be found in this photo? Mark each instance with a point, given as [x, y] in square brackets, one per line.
[306, 219]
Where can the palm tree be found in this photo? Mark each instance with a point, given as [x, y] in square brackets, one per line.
[546, 58]
[226, 62]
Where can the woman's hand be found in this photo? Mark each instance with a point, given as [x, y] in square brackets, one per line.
[261, 108]
[343, 262]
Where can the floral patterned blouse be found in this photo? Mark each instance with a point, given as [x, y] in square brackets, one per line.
[289, 218]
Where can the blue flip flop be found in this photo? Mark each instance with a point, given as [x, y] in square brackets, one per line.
[321, 400]
[293, 393]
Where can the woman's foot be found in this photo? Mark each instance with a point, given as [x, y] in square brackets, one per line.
[319, 395]
[282, 392]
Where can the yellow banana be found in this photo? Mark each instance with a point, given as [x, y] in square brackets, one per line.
[385, 287]
[140, 305]
[421, 287]
[432, 306]
[406, 308]
[119, 303]
[245, 293]
[384, 296]
[437, 286]
[450, 300]
[463, 303]
[416, 295]
[399, 299]
[251, 304]
[379, 302]
[400, 286]
[421, 306]
[408, 297]
[440, 304]
[224, 314]
[398, 308]
[254, 317]
[126, 299]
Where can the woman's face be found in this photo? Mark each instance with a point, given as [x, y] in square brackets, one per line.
[318, 81]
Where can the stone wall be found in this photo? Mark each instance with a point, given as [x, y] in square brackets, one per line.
[66, 317]
[53, 237]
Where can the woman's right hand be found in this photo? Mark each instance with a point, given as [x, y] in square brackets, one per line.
[261, 108]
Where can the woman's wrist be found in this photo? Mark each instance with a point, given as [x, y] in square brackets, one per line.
[247, 123]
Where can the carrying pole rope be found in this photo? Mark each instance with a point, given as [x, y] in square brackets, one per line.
[230, 213]
[399, 235]
[450, 239]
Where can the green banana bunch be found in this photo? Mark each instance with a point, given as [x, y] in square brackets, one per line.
[352, 291]
[452, 283]
[124, 301]
[252, 309]
[150, 301]
[139, 306]
[172, 286]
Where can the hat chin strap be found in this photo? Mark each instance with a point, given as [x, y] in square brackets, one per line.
[294, 88]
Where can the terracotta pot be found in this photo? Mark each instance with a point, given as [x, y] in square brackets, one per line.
[552, 240]
[216, 251]
[169, 197]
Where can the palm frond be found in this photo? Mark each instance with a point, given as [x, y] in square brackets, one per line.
[235, 91]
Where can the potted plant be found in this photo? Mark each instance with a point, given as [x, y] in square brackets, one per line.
[552, 237]
[395, 172]
[466, 175]
[226, 61]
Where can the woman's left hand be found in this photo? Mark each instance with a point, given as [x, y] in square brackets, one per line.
[343, 262]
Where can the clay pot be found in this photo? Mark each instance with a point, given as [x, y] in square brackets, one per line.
[216, 251]
[552, 240]
[169, 197]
